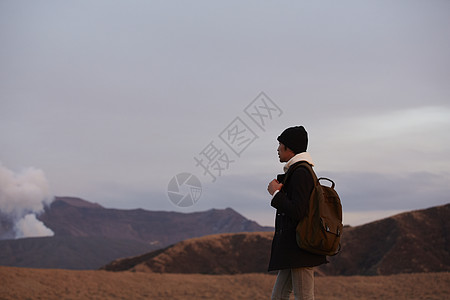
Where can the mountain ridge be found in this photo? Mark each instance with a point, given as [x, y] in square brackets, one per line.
[89, 236]
[402, 250]
[87, 227]
[75, 217]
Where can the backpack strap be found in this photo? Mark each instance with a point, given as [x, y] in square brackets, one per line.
[309, 167]
[295, 167]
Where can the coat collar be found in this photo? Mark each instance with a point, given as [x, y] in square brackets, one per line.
[304, 156]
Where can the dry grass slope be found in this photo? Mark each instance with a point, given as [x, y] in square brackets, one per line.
[412, 242]
[228, 253]
[21, 283]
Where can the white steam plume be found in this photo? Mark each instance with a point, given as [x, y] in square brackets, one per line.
[22, 197]
[29, 226]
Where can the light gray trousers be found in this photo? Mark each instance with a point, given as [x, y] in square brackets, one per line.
[300, 281]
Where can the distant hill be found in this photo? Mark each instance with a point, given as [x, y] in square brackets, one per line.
[76, 217]
[88, 235]
[411, 242]
[417, 241]
[231, 253]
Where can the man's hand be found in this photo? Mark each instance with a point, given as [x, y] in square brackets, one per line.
[274, 185]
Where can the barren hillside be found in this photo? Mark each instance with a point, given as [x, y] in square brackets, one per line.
[217, 254]
[411, 242]
[88, 236]
[416, 241]
[76, 217]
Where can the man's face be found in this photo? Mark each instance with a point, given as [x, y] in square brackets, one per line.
[284, 153]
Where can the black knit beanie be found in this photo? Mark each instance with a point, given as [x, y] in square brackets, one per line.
[295, 138]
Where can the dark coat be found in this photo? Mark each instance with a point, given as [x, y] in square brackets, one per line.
[292, 203]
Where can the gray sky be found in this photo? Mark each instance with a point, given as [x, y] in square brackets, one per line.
[112, 99]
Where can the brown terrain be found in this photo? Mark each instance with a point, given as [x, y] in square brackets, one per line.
[411, 242]
[88, 236]
[402, 257]
[50, 284]
[232, 253]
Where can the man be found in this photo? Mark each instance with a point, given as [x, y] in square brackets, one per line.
[291, 199]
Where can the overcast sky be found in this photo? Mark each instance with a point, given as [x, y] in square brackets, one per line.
[112, 99]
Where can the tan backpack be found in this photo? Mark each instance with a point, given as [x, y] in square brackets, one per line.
[321, 230]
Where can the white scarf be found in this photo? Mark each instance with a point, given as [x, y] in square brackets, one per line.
[304, 156]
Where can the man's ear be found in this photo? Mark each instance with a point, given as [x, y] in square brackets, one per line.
[289, 149]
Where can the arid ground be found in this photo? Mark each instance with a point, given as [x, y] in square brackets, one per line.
[22, 283]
